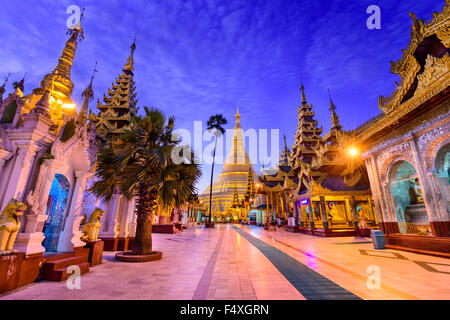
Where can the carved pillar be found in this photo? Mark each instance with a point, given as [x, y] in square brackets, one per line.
[110, 223]
[4, 156]
[323, 210]
[30, 239]
[440, 200]
[310, 214]
[354, 212]
[20, 173]
[348, 211]
[124, 217]
[370, 204]
[374, 186]
[432, 210]
[71, 234]
[132, 225]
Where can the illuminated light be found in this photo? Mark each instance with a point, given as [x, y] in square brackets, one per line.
[59, 102]
[69, 106]
[353, 151]
[305, 201]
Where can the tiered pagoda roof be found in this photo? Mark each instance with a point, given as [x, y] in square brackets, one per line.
[307, 141]
[251, 191]
[119, 105]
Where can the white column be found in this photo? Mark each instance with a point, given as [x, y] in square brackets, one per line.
[112, 211]
[133, 220]
[124, 217]
[71, 234]
[432, 212]
[30, 240]
[20, 173]
[440, 201]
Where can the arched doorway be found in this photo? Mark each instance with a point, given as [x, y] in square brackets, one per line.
[442, 165]
[56, 208]
[407, 194]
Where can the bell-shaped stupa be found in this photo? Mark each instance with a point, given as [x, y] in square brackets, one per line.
[234, 174]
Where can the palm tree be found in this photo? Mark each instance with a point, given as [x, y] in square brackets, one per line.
[214, 123]
[140, 163]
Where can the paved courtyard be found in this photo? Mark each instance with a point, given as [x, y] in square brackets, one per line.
[240, 262]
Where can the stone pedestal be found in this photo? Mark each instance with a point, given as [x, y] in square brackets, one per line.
[29, 271]
[111, 243]
[10, 271]
[95, 252]
[30, 241]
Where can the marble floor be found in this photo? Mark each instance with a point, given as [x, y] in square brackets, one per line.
[240, 262]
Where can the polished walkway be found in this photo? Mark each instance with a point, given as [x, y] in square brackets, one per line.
[239, 262]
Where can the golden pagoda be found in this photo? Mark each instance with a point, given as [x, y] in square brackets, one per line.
[58, 82]
[120, 104]
[234, 175]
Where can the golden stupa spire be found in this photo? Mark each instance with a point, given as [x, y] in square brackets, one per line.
[238, 118]
[59, 81]
[130, 61]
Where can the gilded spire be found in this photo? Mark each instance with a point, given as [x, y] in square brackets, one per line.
[88, 94]
[284, 158]
[130, 61]
[238, 117]
[302, 89]
[59, 81]
[335, 125]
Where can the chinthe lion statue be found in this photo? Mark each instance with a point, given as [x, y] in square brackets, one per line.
[92, 227]
[10, 225]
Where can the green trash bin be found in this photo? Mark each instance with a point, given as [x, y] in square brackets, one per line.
[377, 239]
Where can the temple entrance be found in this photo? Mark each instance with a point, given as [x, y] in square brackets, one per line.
[56, 208]
[407, 194]
[442, 164]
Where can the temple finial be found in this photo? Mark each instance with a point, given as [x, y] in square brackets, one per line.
[130, 60]
[76, 32]
[302, 88]
[334, 117]
[88, 95]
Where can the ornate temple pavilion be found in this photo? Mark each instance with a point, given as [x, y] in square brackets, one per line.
[407, 146]
[234, 175]
[47, 154]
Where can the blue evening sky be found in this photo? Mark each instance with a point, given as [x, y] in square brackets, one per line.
[198, 58]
